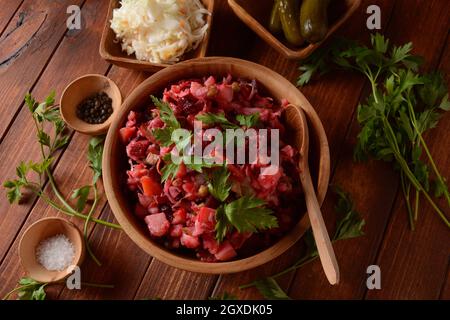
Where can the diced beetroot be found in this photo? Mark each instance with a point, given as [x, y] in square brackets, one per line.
[179, 216]
[156, 123]
[137, 150]
[237, 239]
[225, 93]
[176, 230]
[205, 221]
[140, 211]
[174, 192]
[287, 152]
[144, 200]
[268, 179]
[189, 241]
[210, 243]
[198, 91]
[157, 224]
[225, 252]
[126, 134]
[236, 172]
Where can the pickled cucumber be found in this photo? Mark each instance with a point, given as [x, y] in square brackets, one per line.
[314, 20]
[275, 22]
[289, 16]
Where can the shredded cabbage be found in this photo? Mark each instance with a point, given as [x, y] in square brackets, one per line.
[159, 31]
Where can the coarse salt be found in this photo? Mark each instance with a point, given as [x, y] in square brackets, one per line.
[55, 253]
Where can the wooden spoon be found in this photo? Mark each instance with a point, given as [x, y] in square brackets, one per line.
[330, 266]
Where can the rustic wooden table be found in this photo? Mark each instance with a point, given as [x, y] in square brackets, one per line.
[38, 54]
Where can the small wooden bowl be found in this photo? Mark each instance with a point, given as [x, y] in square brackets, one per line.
[114, 158]
[111, 51]
[41, 230]
[255, 14]
[82, 88]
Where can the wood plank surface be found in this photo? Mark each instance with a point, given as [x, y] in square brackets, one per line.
[9, 7]
[414, 264]
[19, 72]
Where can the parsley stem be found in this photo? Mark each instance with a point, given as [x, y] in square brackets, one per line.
[406, 188]
[6, 297]
[433, 165]
[436, 208]
[86, 223]
[416, 207]
[76, 214]
[58, 194]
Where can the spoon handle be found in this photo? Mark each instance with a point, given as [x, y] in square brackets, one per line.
[323, 243]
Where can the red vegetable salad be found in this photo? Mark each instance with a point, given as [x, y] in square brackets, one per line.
[217, 211]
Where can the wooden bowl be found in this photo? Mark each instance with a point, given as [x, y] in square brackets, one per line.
[82, 88]
[41, 230]
[255, 14]
[114, 157]
[111, 51]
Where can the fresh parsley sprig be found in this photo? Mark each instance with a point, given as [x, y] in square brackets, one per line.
[30, 289]
[246, 214]
[349, 225]
[46, 113]
[216, 119]
[402, 106]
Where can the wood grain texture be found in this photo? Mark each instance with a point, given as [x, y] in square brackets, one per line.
[9, 7]
[20, 71]
[414, 265]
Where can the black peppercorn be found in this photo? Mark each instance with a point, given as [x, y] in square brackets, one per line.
[95, 109]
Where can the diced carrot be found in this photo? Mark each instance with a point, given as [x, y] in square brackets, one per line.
[150, 187]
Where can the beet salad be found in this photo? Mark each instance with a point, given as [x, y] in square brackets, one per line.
[217, 211]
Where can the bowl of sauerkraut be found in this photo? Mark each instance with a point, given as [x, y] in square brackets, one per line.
[149, 35]
[218, 218]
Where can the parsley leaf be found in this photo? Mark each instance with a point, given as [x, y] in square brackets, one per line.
[222, 225]
[224, 296]
[163, 136]
[402, 106]
[95, 153]
[166, 113]
[350, 224]
[81, 194]
[248, 214]
[219, 185]
[216, 118]
[270, 289]
[248, 121]
[168, 171]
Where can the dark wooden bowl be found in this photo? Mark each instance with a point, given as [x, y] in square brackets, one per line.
[255, 14]
[114, 154]
[111, 51]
